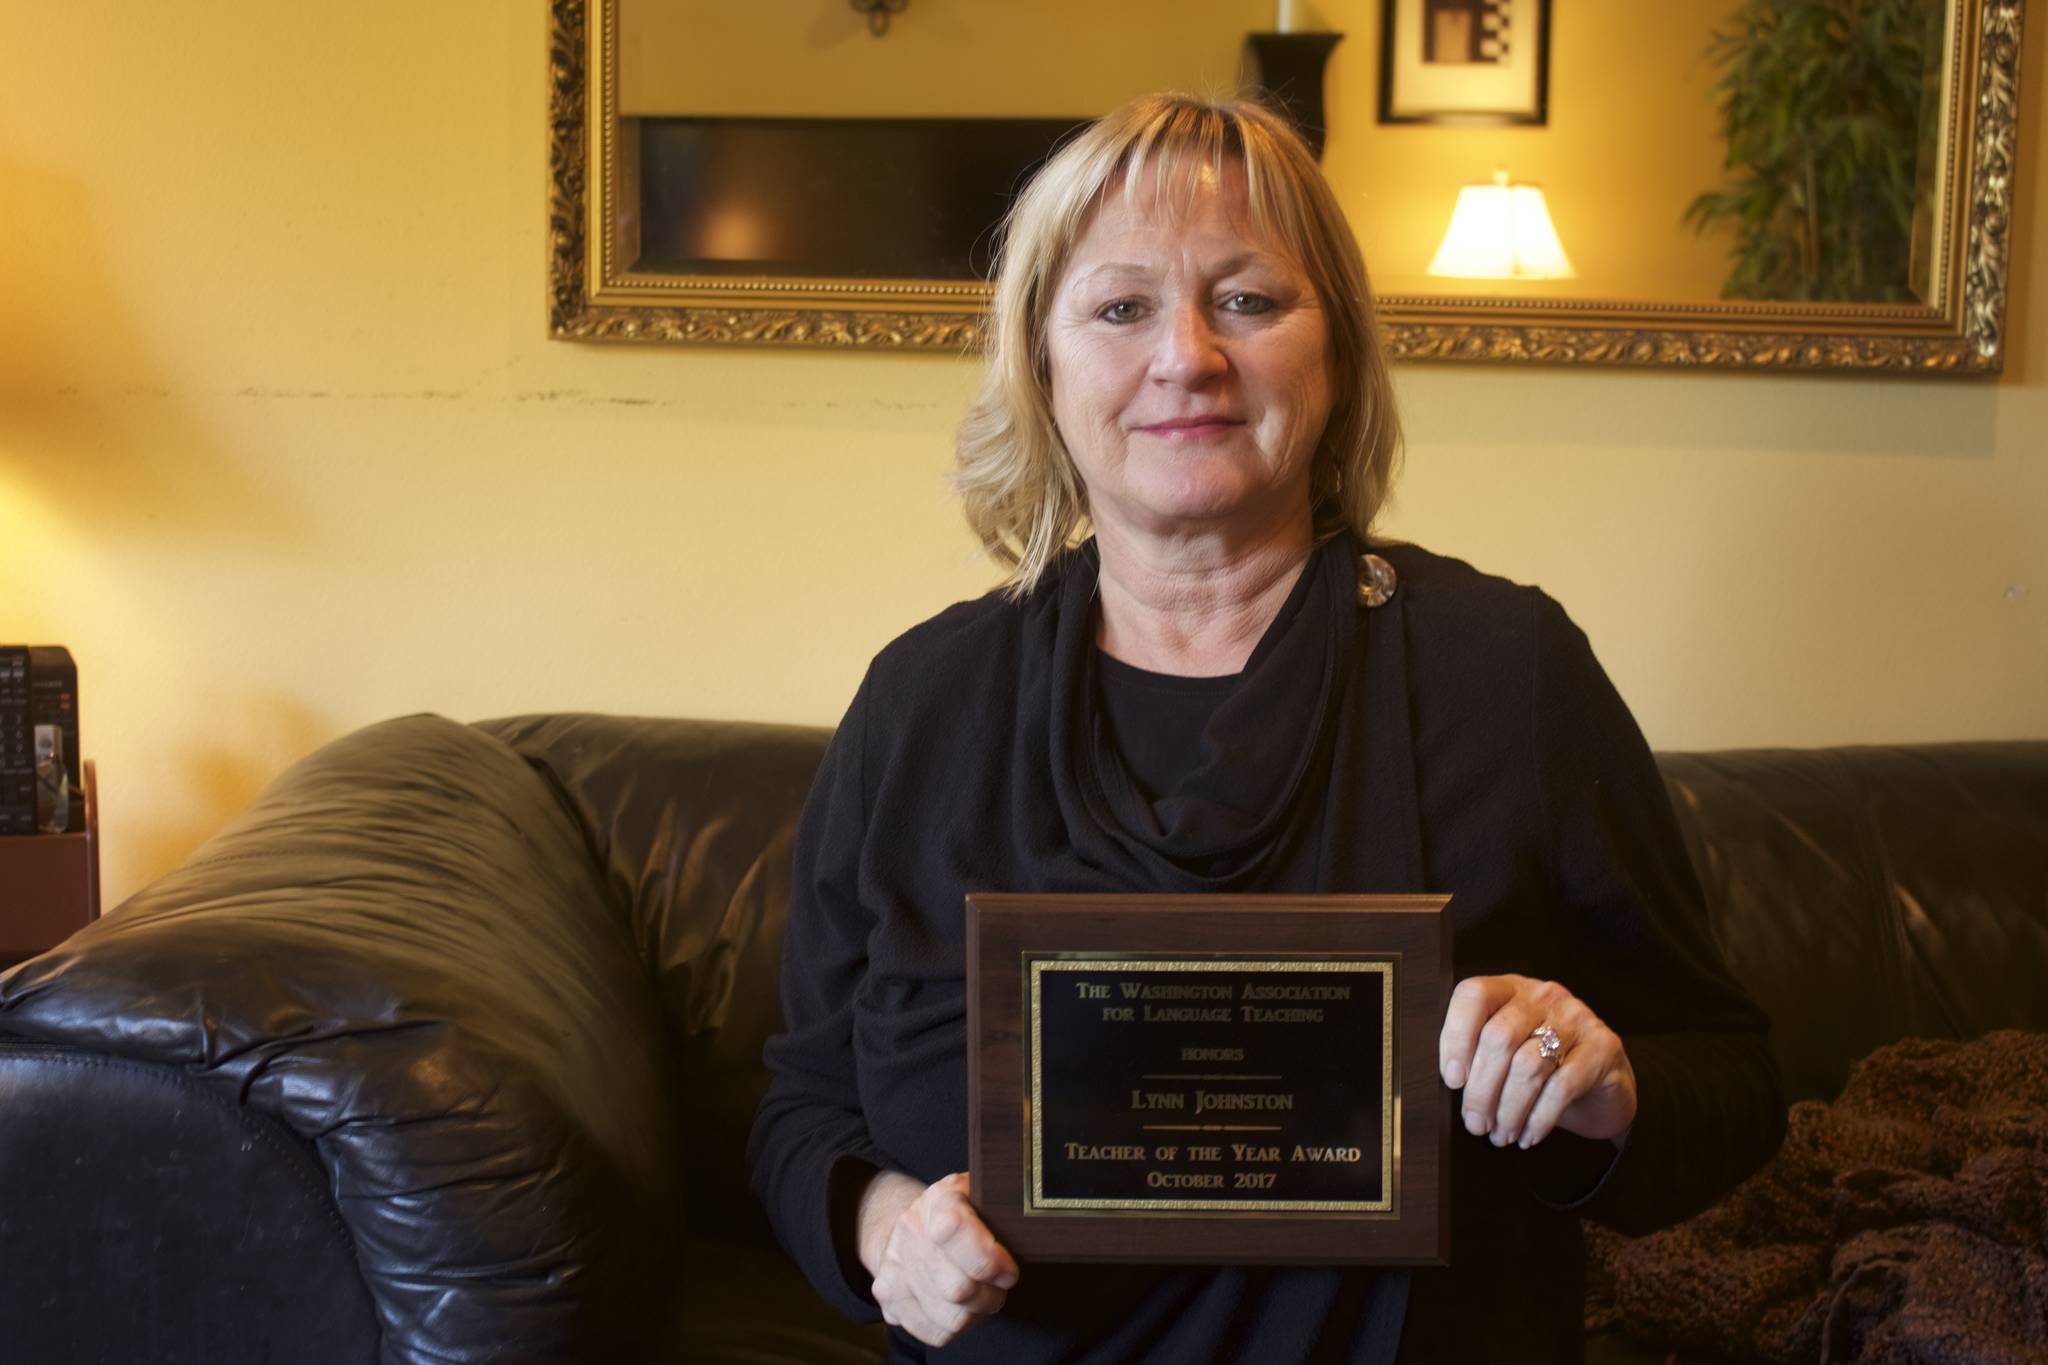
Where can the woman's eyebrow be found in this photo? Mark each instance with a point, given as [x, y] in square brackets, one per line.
[1117, 270]
[1111, 270]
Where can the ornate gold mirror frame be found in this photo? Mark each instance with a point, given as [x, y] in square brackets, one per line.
[595, 294]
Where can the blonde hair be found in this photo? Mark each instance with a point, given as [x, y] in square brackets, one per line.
[1021, 492]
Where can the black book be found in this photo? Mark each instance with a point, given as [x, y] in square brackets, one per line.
[40, 786]
[17, 745]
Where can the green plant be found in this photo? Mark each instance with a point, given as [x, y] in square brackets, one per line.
[1821, 105]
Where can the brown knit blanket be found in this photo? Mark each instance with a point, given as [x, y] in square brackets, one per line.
[1905, 1222]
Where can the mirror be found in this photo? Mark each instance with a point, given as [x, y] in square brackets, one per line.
[1858, 223]
[784, 175]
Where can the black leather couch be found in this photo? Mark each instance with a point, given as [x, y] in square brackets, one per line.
[447, 1049]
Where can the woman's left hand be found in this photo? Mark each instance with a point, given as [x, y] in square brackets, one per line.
[1513, 1093]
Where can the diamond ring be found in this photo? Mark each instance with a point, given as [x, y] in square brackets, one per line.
[1548, 1045]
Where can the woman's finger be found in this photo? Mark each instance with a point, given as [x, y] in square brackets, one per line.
[909, 1314]
[940, 1323]
[1530, 1071]
[945, 1303]
[1528, 1074]
[941, 1282]
[1499, 1038]
[1578, 1072]
[1606, 1106]
[1472, 1004]
[906, 1294]
[973, 1251]
[957, 1230]
[1595, 1092]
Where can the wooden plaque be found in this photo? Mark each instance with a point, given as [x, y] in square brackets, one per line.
[1210, 1079]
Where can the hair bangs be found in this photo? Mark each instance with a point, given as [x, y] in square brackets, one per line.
[1163, 164]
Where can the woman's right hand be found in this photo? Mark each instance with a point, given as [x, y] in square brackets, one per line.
[937, 1268]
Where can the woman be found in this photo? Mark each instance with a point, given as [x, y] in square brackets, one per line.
[1223, 690]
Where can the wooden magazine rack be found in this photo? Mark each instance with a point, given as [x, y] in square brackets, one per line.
[50, 883]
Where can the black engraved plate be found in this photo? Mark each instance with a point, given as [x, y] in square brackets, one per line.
[1245, 1084]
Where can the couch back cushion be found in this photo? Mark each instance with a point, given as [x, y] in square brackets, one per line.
[1862, 895]
[691, 824]
[1869, 894]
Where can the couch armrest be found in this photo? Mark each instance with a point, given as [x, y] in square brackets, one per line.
[145, 1217]
[403, 954]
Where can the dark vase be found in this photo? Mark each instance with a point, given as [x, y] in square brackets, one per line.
[1289, 67]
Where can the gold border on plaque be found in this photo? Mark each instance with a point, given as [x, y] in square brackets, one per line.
[1385, 965]
[593, 297]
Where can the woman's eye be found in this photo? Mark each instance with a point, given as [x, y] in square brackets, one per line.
[1245, 301]
[1123, 310]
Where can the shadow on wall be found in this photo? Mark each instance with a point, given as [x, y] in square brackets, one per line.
[89, 423]
[217, 782]
[106, 475]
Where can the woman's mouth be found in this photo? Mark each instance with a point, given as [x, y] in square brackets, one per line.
[1191, 428]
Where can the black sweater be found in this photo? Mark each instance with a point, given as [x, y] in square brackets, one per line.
[1535, 804]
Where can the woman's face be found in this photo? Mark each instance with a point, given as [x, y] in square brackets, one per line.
[1190, 368]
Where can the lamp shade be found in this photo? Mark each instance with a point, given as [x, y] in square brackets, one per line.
[1501, 232]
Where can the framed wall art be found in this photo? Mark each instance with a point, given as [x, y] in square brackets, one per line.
[1465, 61]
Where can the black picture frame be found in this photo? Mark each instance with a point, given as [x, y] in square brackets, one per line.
[1465, 62]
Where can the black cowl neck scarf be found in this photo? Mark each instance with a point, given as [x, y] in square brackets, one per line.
[1305, 782]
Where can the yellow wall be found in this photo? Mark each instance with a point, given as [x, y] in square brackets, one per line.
[283, 449]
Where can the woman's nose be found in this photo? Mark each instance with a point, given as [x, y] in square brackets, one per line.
[1188, 349]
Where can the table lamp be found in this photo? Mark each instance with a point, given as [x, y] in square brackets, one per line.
[1501, 231]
